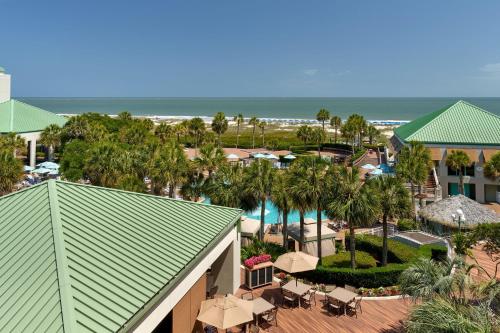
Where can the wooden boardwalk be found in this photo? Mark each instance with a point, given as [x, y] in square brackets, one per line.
[485, 262]
[377, 316]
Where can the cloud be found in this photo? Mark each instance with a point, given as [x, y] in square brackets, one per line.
[310, 72]
[491, 68]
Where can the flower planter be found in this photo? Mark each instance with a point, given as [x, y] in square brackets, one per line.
[259, 275]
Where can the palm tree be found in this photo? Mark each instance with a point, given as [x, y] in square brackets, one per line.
[322, 116]
[372, 132]
[11, 171]
[336, 123]
[458, 161]
[124, 116]
[12, 142]
[209, 158]
[451, 300]
[254, 122]
[219, 125]
[104, 164]
[239, 121]
[164, 132]
[193, 187]
[353, 202]
[51, 138]
[258, 184]
[169, 166]
[304, 133]
[492, 167]
[348, 131]
[414, 164]
[180, 129]
[281, 199]
[227, 188]
[312, 188]
[196, 129]
[318, 136]
[76, 127]
[262, 126]
[300, 200]
[394, 201]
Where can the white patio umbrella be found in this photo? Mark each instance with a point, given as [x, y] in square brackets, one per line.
[41, 170]
[369, 166]
[28, 168]
[232, 157]
[48, 165]
[296, 262]
[225, 312]
[259, 155]
[290, 157]
[272, 157]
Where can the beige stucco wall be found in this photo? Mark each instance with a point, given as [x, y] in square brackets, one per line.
[4, 87]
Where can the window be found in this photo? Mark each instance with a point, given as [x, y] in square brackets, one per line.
[468, 171]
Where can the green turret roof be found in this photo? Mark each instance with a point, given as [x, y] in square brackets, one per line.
[78, 258]
[460, 123]
[19, 117]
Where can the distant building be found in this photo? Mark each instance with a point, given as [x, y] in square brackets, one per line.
[461, 126]
[25, 120]
[78, 258]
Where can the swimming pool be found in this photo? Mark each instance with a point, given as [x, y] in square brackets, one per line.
[271, 214]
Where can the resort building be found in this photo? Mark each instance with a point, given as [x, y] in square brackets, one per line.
[461, 126]
[25, 120]
[78, 258]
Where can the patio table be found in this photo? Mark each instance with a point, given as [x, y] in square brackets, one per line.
[260, 306]
[342, 295]
[297, 288]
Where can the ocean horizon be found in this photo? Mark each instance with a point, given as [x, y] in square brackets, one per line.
[372, 108]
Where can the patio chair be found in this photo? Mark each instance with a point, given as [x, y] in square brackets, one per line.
[328, 288]
[210, 329]
[309, 298]
[354, 306]
[333, 305]
[289, 297]
[350, 288]
[271, 316]
[248, 296]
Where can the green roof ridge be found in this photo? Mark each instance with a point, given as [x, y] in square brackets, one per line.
[63, 182]
[67, 306]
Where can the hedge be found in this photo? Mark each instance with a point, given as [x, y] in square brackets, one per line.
[400, 254]
[343, 259]
[397, 252]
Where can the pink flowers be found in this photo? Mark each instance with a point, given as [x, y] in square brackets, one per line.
[255, 260]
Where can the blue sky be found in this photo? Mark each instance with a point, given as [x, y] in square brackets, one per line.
[251, 48]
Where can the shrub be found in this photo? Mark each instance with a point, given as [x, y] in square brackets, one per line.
[257, 248]
[397, 252]
[369, 278]
[343, 259]
[408, 224]
[255, 260]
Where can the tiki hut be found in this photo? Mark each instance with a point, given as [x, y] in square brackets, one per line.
[439, 214]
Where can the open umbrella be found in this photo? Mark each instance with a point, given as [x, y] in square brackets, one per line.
[41, 170]
[296, 262]
[259, 155]
[28, 168]
[376, 172]
[232, 157]
[225, 312]
[290, 157]
[48, 165]
[369, 166]
[272, 157]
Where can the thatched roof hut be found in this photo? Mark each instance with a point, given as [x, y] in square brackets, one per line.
[475, 213]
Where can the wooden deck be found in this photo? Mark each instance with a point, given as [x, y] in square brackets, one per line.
[376, 316]
[485, 262]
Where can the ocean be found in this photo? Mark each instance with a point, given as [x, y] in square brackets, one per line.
[283, 108]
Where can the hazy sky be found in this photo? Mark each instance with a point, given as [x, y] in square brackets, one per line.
[251, 48]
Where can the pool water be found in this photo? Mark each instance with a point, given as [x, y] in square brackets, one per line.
[271, 214]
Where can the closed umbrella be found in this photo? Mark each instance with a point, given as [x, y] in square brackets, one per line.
[225, 312]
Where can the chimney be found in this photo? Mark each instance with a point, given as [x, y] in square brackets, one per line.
[4, 86]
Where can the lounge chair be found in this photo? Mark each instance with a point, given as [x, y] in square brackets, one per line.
[271, 316]
[289, 297]
[309, 298]
[354, 306]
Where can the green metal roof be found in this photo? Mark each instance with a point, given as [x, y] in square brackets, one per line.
[19, 117]
[460, 123]
[79, 258]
